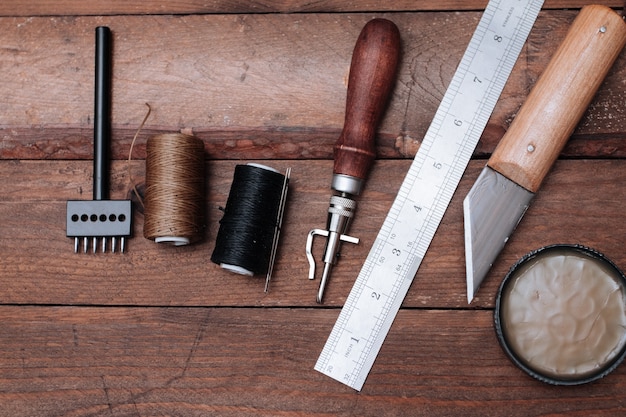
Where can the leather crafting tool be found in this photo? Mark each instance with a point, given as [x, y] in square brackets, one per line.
[425, 193]
[372, 75]
[101, 218]
[503, 191]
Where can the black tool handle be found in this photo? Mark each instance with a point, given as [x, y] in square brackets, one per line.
[102, 113]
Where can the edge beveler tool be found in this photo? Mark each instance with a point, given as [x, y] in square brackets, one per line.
[372, 75]
[100, 218]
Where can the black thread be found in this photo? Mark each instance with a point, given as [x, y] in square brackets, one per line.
[246, 232]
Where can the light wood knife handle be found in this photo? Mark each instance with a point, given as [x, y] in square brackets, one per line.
[560, 97]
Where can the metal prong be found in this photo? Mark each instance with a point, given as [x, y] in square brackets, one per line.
[76, 243]
[122, 244]
[279, 223]
[309, 249]
[104, 245]
[94, 244]
[113, 244]
[85, 244]
[325, 275]
[309, 246]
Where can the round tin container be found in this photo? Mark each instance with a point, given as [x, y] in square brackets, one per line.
[561, 314]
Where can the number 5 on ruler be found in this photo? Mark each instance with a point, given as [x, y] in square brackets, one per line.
[426, 191]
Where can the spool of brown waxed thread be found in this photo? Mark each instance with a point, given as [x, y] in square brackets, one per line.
[174, 195]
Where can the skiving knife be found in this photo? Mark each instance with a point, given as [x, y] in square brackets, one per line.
[503, 191]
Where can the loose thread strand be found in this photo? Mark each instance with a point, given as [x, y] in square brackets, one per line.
[130, 156]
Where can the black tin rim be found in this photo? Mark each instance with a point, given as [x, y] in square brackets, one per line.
[514, 357]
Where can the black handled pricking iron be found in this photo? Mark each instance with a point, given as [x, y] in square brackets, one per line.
[100, 218]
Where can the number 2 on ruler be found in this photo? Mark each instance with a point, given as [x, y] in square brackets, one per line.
[426, 191]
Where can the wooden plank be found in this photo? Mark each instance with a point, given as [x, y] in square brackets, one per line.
[162, 330]
[75, 361]
[124, 7]
[581, 202]
[257, 86]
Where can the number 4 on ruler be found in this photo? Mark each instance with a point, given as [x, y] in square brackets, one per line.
[426, 191]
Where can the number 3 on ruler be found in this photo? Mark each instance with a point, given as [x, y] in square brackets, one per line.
[426, 191]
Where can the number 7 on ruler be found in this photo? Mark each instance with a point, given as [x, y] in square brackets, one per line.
[426, 191]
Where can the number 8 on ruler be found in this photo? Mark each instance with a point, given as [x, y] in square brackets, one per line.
[426, 191]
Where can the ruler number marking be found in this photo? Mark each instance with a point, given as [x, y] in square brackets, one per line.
[426, 191]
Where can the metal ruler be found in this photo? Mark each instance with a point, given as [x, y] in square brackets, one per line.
[426, 191]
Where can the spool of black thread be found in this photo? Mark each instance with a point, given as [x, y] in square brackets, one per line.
[251, 217]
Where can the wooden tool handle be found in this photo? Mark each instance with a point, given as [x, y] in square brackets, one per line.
[560, 97]
[372, 74]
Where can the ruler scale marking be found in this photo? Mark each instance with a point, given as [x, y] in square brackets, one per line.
[426, 191]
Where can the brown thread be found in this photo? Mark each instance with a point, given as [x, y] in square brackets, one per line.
[130, 157]
[174, 195]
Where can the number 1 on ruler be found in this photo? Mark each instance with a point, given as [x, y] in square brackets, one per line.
[426, 191]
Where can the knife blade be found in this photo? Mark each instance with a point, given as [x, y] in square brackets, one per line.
[499, 198]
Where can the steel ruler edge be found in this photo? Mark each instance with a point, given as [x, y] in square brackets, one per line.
[425, 193]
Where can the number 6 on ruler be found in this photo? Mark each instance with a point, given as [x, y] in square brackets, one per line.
[426, 191]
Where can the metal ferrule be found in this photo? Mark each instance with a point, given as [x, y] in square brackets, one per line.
[340, 212]
[347, 184]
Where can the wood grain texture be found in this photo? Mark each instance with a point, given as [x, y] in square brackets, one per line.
[258, 86]
[560, 97]
[162, 331]
[372, 76]
[33, 213]
[76, 361]
[119, 7]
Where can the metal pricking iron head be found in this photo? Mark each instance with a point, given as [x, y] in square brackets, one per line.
[91, 223]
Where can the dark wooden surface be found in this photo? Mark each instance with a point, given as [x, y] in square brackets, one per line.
[162, 331]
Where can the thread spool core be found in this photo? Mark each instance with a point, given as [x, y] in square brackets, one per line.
[237, 269]
[254, 164]
[172, 240]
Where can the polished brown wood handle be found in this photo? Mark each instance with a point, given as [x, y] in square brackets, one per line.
[372, 75]
[560, 97]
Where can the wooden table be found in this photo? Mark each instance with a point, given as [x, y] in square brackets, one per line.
[163, 331]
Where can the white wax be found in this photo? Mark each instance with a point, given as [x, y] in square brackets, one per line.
[564, 315]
